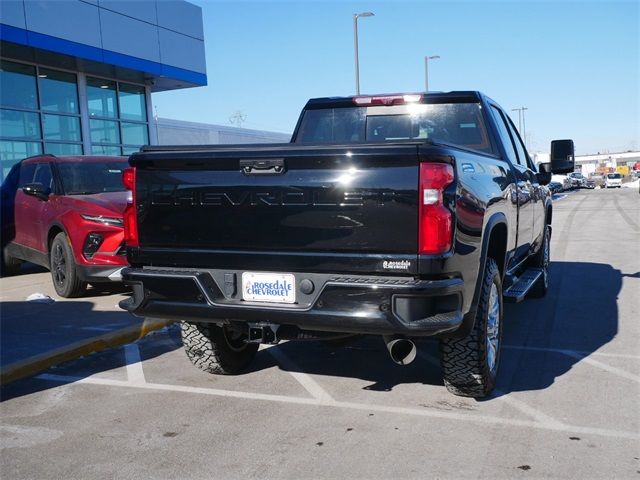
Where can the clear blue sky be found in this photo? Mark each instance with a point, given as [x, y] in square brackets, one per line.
[574, 64]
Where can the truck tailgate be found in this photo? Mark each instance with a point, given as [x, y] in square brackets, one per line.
[213, 207]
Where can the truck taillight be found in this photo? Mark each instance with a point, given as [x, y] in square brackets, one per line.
[130, 217]
[436, 222]
[129, 178]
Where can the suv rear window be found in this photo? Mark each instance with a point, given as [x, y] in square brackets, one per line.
[459, 124]
[614, 175]
[92, 177]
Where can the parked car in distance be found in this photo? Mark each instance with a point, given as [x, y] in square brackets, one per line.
[596, 179]
[577, 180]
[66, 214]
[555, 187]
[613, 180]
[563, 180]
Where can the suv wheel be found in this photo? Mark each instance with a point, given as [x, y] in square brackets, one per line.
[470, 364]
[63, 269]
[215, 349]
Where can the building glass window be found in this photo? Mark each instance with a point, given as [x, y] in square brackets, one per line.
[130, 150]
[58, 91]
[39, 113]
[118, 117]
[18, 85]
[132, 103]
[20, 124]
[105, 150]
[134, 133]
[60, 127]
[12, 152]
[101, 97]
[63, 148]
[104, 131]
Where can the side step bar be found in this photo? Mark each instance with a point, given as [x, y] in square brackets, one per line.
[521, 285]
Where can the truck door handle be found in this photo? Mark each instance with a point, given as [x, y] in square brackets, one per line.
[262, 166]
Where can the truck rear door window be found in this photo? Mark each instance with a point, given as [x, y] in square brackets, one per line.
[459, 124]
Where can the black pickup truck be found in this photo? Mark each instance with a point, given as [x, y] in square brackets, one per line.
[404, 216]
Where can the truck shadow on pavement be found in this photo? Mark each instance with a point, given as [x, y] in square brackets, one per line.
[579, 313]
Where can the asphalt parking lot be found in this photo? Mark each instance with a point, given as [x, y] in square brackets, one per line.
[567, 403]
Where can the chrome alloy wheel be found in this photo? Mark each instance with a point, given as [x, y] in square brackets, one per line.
[59, 265]
[493, 328]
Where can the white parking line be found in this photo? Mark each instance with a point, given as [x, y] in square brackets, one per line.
[135, 373]
[603, 366]
[586, 358]
[304, 379]
[542, 418]
[581, 353]
[424, 412]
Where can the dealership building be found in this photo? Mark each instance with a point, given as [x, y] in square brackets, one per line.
[76, 76]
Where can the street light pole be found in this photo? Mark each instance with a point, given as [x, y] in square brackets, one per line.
[355, 45]
[426, 70]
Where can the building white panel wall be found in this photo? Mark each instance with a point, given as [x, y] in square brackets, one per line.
[118, 32]
[68, 19]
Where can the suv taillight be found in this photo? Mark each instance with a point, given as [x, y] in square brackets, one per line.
[130, 218]
[436, 222]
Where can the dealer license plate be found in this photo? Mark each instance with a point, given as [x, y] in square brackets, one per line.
[268, 287]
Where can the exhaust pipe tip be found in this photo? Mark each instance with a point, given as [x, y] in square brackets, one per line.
[402, 350]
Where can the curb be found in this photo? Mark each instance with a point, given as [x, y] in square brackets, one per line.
[37, 363]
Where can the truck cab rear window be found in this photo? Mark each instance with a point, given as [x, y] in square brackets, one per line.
[458, 124]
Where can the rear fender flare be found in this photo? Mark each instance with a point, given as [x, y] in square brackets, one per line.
[468, 320]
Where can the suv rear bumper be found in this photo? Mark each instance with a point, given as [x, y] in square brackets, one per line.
[350, 304]
[99, 273]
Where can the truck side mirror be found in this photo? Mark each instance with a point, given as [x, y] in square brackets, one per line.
[544, 174]
[562, 156]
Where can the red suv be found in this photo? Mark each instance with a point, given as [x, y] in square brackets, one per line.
[65, 213]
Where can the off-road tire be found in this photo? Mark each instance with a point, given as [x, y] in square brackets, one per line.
[212, 348]
[541, 260]
[64, 272]
[465, 364]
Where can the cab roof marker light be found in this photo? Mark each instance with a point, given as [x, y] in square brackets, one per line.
[414, 98]
[389, 99]
[362, 100]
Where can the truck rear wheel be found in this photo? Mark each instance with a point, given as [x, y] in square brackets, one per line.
[215, 349]
[470, 364]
